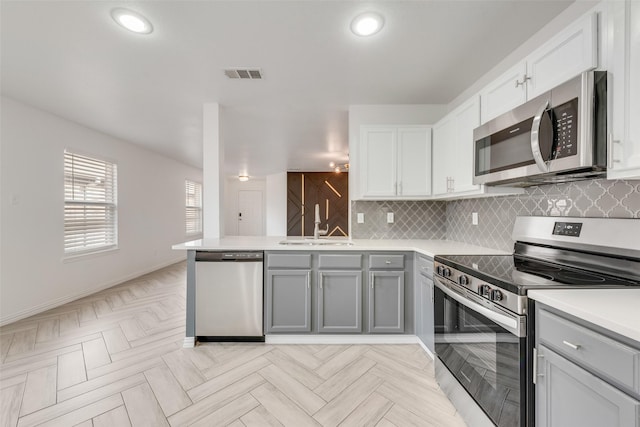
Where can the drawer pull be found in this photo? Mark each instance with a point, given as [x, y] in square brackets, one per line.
[387, 262]
[573, 346]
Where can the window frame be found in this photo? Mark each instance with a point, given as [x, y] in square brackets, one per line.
[83, 206]
[193, 207]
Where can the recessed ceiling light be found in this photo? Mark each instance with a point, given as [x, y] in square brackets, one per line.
[367, 24]
[243, 178]
[132, 21]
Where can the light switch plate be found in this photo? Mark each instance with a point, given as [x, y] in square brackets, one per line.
[389, 217]
[360, 218]
[474, 218]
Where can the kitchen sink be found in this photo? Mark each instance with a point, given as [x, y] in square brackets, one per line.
[317, 242]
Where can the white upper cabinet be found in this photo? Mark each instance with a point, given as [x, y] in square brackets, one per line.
[443, 155]
[453, 150]
[569, 53]
[453, 166]
[466, 119]
[414, 161]
[378, 162]
[504, 93]
[395, 161]
[624, 72]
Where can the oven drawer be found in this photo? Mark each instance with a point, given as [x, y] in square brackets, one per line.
[591, 349]
[386, 261]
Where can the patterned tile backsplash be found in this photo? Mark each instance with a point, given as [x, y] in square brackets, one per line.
[412, 220]
[452, 220]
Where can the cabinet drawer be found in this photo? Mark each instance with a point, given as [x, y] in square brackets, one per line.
[340, 261]
[386, 261]
[591, 349]
[424, 265]
[289, 261]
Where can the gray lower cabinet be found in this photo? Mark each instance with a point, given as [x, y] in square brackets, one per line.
[585, 375]
[386, 302]
[338, 292]
[425, 316]
[567, 395]
[340, 301]
[288, 301]
[424, 301]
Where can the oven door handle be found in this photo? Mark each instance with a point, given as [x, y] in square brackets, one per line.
[509, 323]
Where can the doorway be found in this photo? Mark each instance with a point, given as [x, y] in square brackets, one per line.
[245, 207]
[250, 217]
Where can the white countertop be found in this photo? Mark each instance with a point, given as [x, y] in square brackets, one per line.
[425, 247]
[615, 309]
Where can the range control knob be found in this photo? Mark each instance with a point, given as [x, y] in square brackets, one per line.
[463, 280]
[446, 272]
[495, 295]
[484, 290]
[439, 270]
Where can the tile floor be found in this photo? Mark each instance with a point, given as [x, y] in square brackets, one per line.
[115, 358]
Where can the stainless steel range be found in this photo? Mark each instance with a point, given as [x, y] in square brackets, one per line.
[483, 323]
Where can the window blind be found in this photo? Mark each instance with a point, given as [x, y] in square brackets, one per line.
[193, 214]
[90, 204]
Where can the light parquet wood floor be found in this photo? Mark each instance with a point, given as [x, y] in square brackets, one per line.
[115, 359]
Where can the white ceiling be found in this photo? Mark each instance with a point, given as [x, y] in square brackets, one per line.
[70, 58]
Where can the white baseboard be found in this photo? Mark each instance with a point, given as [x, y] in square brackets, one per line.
[341, 339]
[426, 350]
[189, 342]
[5, 320]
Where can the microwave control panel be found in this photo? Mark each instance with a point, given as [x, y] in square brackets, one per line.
[565, 129]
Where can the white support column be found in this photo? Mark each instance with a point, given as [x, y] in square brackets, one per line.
[213, 183]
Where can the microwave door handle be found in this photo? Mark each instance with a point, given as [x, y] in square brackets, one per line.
[535, 139]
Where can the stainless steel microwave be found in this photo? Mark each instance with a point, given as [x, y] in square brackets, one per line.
[558, 136]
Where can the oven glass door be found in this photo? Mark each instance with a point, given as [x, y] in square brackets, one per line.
[487, 359]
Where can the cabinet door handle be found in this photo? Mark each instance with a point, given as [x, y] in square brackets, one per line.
[573, 346]
[536, 374]
[523, 82]
[611, 150]
[308, 280]
[320, 280]
[371, 275]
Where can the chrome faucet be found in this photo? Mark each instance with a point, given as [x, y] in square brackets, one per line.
[316, 228]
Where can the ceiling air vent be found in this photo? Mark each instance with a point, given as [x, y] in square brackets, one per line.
[243, 73]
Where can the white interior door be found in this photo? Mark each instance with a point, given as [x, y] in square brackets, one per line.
[250, 216]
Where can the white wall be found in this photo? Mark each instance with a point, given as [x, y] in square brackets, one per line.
[277, 204]
[151, 213]
[213, 186]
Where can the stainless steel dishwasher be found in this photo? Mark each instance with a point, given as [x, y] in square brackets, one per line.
[229, 296]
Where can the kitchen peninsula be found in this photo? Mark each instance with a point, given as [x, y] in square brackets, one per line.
[382, 260]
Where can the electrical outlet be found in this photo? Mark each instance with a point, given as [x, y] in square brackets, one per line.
[360, 218]
[474, 218]
[389, 217]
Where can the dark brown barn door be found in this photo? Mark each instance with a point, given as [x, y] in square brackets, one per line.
[330, 190]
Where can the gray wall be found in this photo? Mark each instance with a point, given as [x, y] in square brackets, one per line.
[593, 198]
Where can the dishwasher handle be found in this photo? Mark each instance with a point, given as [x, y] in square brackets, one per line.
[245, 256]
